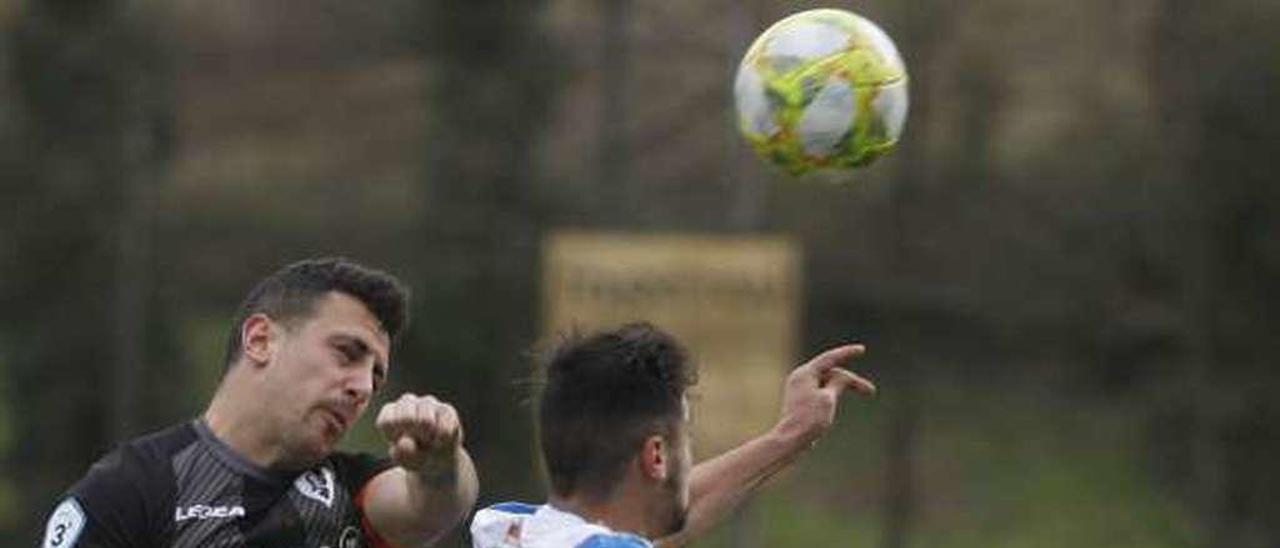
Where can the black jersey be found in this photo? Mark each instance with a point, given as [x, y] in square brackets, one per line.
[183, 487]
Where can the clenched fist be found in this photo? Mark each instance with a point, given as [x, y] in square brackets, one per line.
[423, 433]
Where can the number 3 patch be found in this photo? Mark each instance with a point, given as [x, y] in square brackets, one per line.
[64, 525]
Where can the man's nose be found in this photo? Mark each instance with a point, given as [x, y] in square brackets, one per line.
[360, 385]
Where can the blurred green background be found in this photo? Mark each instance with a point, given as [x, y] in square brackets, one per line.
[1067, 273]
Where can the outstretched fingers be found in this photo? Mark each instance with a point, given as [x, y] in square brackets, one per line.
[835, 357]
[830, 372]
[839, 379]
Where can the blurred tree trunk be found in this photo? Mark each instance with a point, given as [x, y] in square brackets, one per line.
[492, 70]
[922, 39]
[92, 87]
[746, 188]
[615, 177]
[1174, 53]
[1216, 77]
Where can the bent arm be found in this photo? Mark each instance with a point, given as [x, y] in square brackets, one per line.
[416, 508]
[810, 398]
[717, 486]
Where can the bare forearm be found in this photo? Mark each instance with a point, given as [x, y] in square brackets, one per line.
[808, 411]
[439, 499]
[720, 484]
[416, 508]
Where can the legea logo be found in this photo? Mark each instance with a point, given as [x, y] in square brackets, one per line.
[202, 512]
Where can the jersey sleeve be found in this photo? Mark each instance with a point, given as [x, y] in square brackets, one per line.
[356, 469]
[114, 506]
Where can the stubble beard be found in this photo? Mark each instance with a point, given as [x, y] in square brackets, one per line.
[678, 510]
[311, 441]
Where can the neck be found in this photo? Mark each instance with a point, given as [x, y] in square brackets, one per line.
[236, 421]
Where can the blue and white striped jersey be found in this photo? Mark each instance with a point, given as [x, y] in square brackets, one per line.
[519, 525]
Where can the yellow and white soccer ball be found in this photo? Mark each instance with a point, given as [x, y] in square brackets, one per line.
[823, 88]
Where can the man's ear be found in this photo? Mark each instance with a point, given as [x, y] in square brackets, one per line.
[258, 339]
[655, 463]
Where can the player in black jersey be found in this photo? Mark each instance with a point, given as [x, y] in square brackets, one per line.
[308, 350]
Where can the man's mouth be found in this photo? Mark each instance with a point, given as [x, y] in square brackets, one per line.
[340, 420]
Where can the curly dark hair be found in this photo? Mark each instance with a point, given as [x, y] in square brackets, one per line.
[602, 395]
[290, 294]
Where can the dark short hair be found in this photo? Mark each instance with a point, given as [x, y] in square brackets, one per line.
[290, 294]
[602, 395]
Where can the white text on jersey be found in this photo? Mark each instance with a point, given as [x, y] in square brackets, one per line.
[200, 511]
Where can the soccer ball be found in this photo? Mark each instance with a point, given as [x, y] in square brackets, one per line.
[823, 88]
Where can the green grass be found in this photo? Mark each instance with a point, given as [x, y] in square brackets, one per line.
[995, 467]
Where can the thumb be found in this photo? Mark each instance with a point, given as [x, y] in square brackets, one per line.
[403, 447]
[838, 379]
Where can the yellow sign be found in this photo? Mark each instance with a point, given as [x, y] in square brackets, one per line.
[733, 301]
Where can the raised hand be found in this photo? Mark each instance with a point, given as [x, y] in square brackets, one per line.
[423, 433]
[813, 390]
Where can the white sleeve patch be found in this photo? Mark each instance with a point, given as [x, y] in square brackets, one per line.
[64, 525]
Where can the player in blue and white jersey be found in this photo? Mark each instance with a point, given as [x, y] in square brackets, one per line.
[613, 425]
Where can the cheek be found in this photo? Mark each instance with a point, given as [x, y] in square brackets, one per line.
[312, 373]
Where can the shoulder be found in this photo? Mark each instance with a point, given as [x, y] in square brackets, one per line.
[512, 508]
[614, 540]
[139, 464]
[493, 525]
[501, 513]
[516, 523]
[124, 494]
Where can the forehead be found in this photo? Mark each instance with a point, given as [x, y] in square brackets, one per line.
[338, 313]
